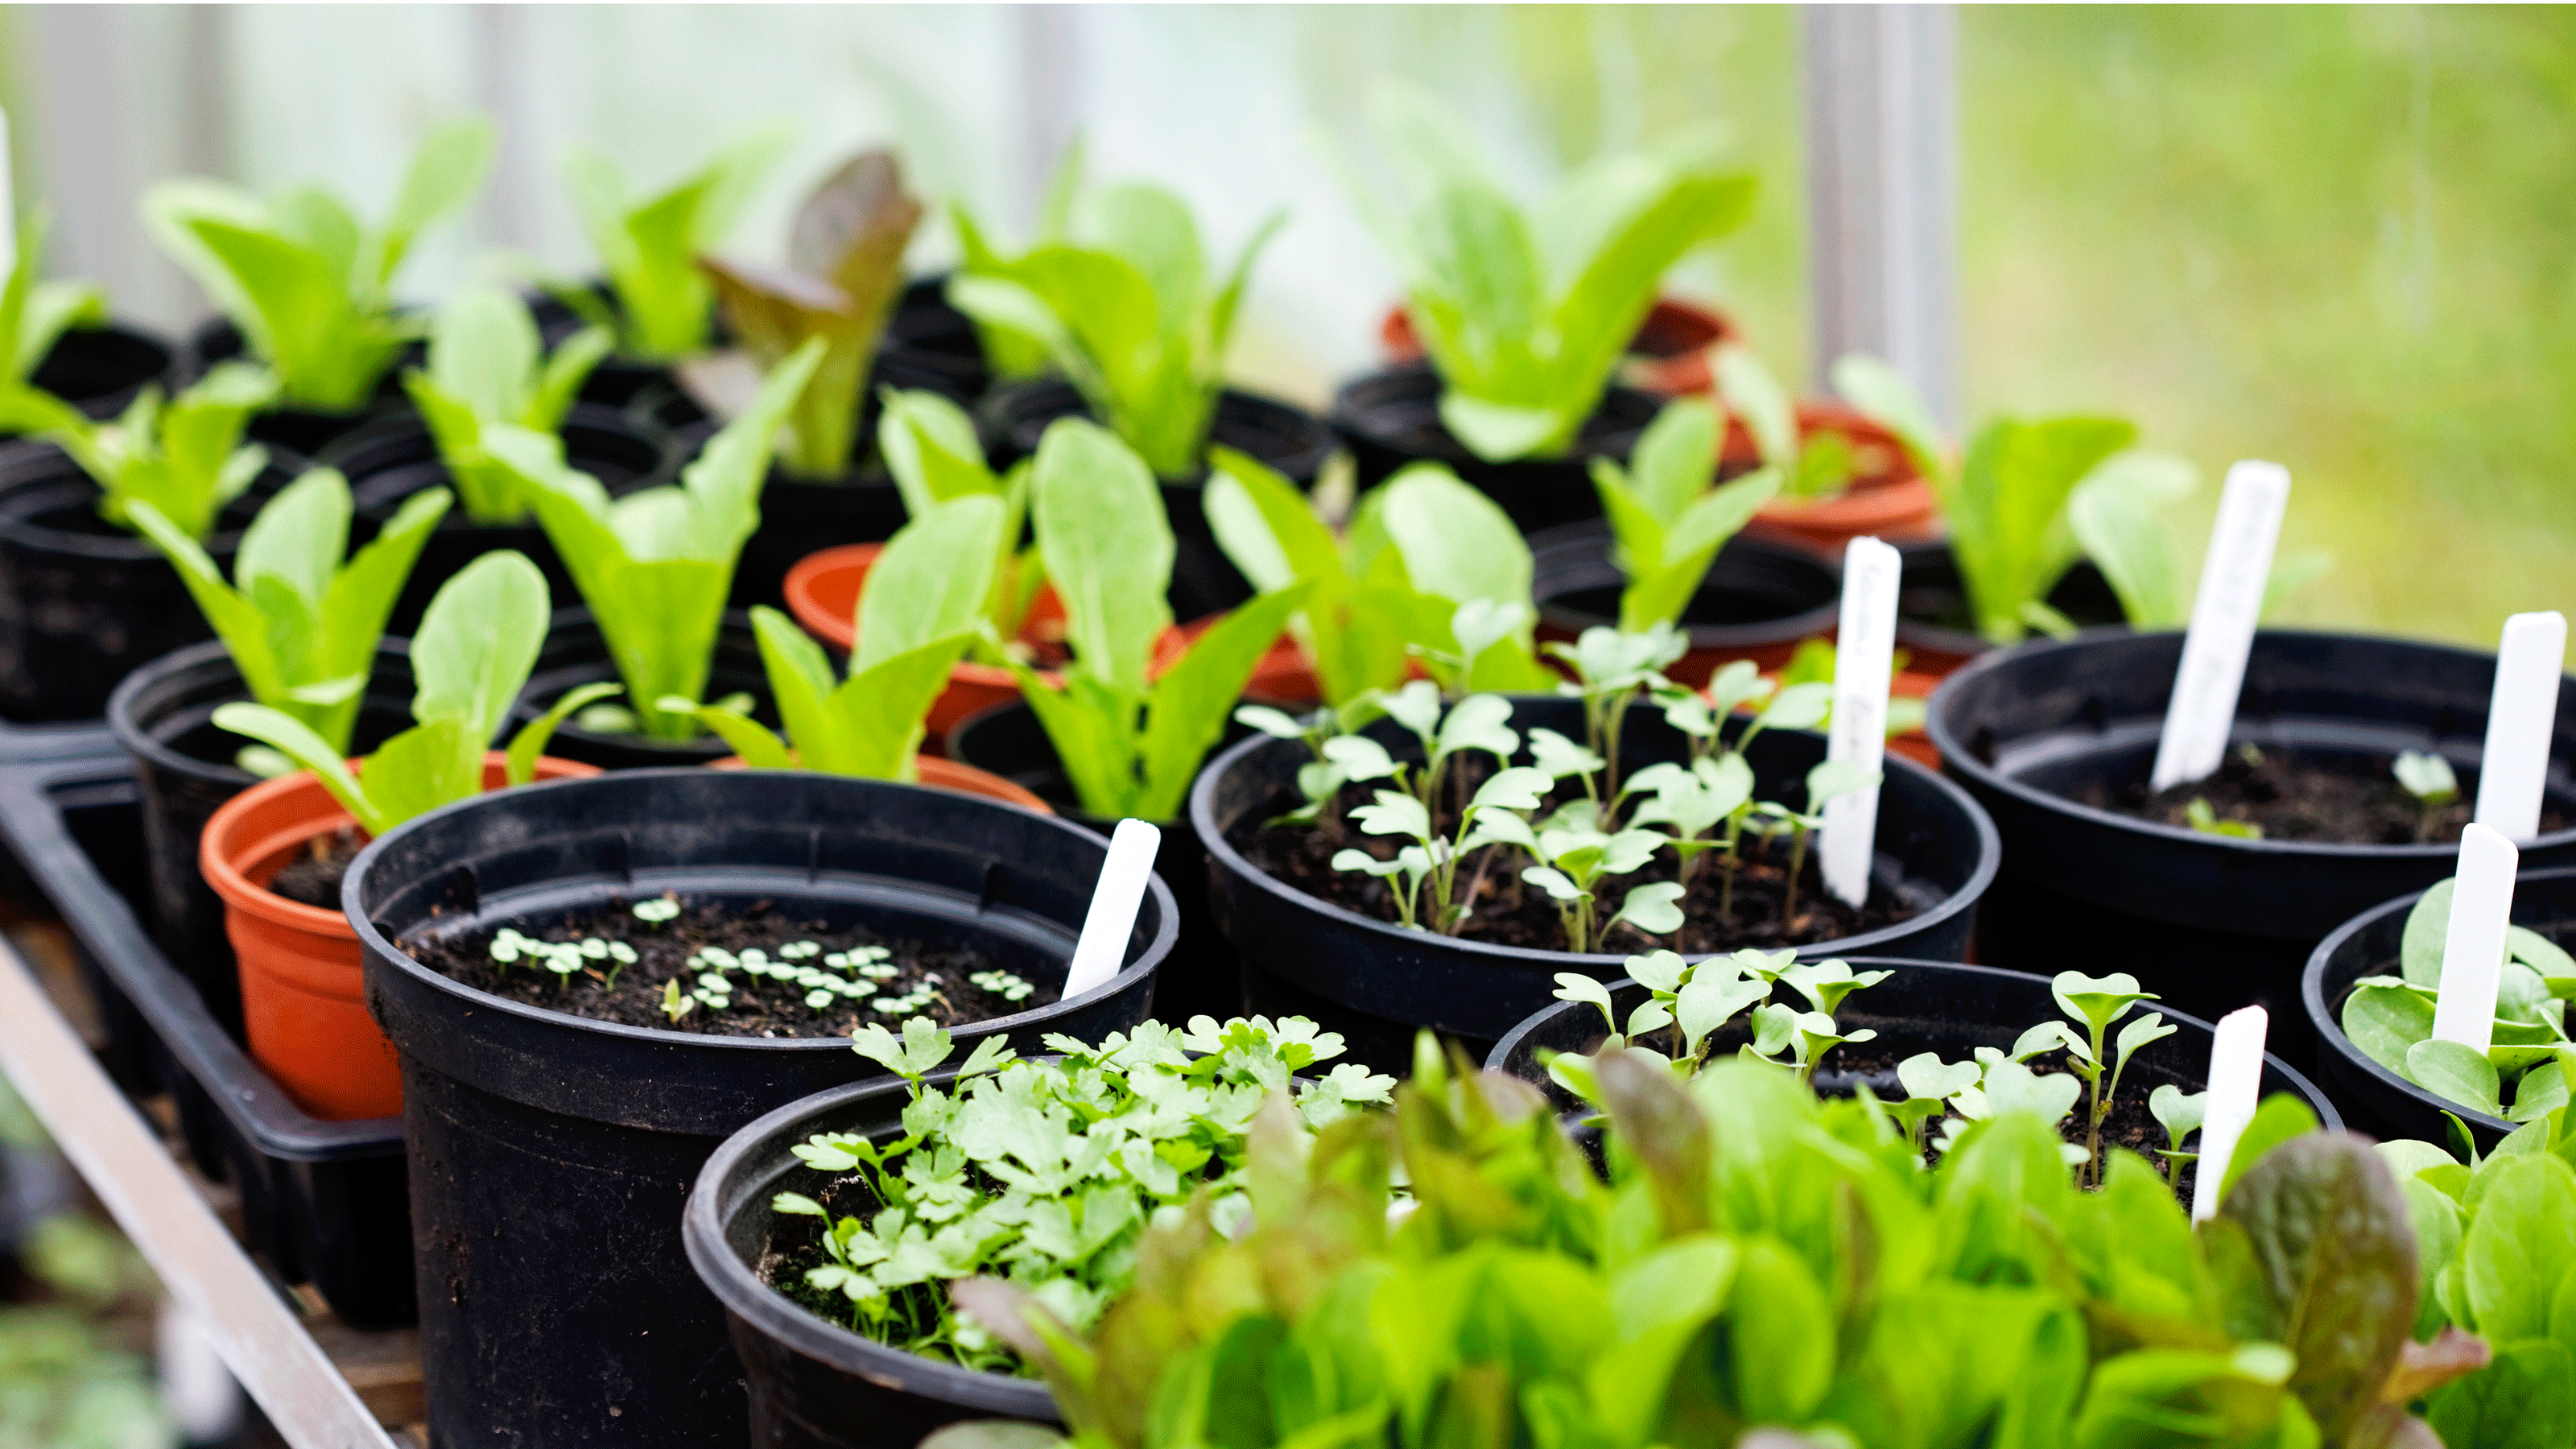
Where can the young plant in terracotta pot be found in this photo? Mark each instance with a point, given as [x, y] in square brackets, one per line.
[1523, 310]
[1671, 531]
[847, 1343]
[1117, 731]
[654, 567]
[1843, 475]
[276, 852]
[309, 287]
[1668, 355]
[1440, 865]
[89, 600]
[300, 632]
[55, 336]
[925, 604]
[1139, 326]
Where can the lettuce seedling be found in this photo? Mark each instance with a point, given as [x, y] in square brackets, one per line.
[2523, 1074]
[301, 625]
[471, 657]
[1130, 318]
[844, 272]
[930, 447]
[488, 368]
[1669, 516]
[35, 314]
[1130, 744]
[2180, 1113]
[309, 286]
[185, 457]
[1012, 353]
[654, 566]
[923, 607]
[2430, 779]
[650, 248]
[1526, 312]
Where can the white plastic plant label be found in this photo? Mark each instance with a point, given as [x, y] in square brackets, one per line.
[1864, 664]
[2223, 616]
[2473, 947]
[1114, 903]
[2235, 1081]
[2521, 715]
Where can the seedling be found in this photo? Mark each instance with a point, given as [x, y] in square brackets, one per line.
[923, 606]
[35, 314]
[2523, 1074]
[184, 457]
[1052, 1171]
[843, 275]
[2430, 780]
[302, 626]
[2097, 1004]
[308, 285]
[488, 368]
[1130, 744]
[471, 657]
[1131, 319]
[655, 565]
[2201, 817]
[660, 910]
[1012, 353]
[650, 248]
[2179, 1112]
[1526, 311]
[930, 447]
[1669, 516]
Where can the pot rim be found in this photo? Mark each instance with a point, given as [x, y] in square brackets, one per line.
[955, 777]
[378, 946]
[1956, 756]
[60, 471]
[143, 745]
[1221, 853]
[1817, 620]
[746, 1297]
[1347, 411]
[2329, 1028]
[2331, 1118]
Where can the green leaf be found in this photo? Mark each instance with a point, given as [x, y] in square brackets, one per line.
[1186, 712]
[2120, 515]
[532, 738]
[444, 174]
[1883, 395]
[2455, 1072]
[299, 743]
[1778, 1304]
[477, 641]
[2280, 1118]
[2007, 511]
[2385, 1022]
[2521, 1248]
[2428, 926]
[2332, 1248]
[2524, 1399]
[1108, 549]
[1455, 542]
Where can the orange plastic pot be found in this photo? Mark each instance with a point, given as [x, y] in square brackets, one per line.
[303, 1004]
[941, 774]
[1887, 498]
[823, 593]
[1668, 354]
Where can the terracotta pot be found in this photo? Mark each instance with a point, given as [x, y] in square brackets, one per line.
[1887, 499]
[941, 774]
[823, 593]
[1669, 354]
[303, 1008]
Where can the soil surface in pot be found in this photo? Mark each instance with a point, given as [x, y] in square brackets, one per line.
[313, 878]
[2131, 1125]
[2292, 798]
[1510, 913]
[886, 970]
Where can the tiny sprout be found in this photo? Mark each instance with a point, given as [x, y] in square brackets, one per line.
[838, 960]
[754, 960]
[674, 1005]
[505, 947]
[1003, 984]
[621, 953]
[799, 950]
[719, 958]
[818, 998]
[2200, 817]
[880, 971]
[2430, 780]
[657, 910]
[716, 984]
[595, 948]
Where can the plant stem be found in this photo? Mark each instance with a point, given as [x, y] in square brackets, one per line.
[1797, 865]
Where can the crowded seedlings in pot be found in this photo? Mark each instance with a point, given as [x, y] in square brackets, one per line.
[2523, 1074]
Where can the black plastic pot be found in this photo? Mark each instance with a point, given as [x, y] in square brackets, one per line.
[1204, 580]
[576, 654]
[2380, 1101]
[82, 601]
[2212, 922]
[391, 460]
[1200, 979]
[322, 1202]
[551, 1155]
[1927, 1006]
[1759, 598]
[1392, 417]
[1934, 621]
[183, 772]
[100, 370]
[1376, 983]
[307, 431]
[815, 1384]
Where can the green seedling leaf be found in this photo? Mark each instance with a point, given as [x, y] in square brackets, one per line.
[2457, 1073]
[650, 246]
[2386, 1022]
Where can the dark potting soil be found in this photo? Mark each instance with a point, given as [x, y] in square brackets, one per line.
[313, 878]
[2294, 799]
[607, 990]
[1508, 912]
